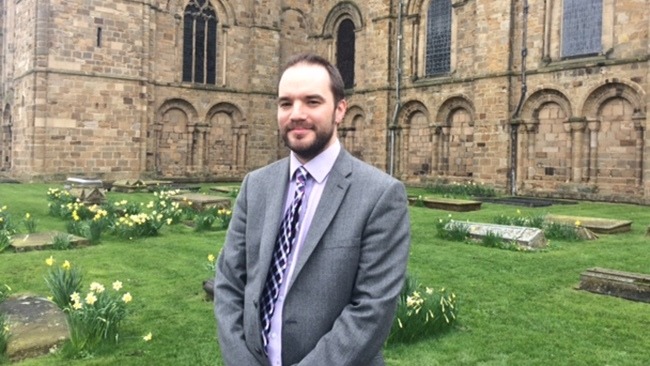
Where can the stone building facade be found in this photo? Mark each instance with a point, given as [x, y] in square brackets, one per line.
[533, 97]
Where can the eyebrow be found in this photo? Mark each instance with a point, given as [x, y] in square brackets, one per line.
[310, 96]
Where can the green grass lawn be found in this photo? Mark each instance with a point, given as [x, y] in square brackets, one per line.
[516, 308]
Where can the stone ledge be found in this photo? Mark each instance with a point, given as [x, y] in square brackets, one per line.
[447, 204]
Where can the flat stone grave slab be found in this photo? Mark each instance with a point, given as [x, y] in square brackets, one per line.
[225, 189]
[627, 285]
[595, 224]
[44, 240]
[35, 326]
[137, 185]
[526, 201]
[200, 202]
[526, 237]
[447, 204]
[83, 182]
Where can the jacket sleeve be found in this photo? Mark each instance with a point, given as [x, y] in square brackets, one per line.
[358, 334]
[229, 286]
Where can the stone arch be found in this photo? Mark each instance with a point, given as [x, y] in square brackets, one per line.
[615, 121]
[413, 141]
[538, 98]
[343, 10]
[614, 88]
[453, 139]
[550, 143]
[352, 132]
[223, 140]
[450, 105]
[169, 141]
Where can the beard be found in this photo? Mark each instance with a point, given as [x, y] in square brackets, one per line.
[304, 148]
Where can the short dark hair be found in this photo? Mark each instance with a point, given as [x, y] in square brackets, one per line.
[336, 81]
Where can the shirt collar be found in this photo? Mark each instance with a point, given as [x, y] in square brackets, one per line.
[320, 166]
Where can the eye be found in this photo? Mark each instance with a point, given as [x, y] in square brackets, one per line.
[284, 104]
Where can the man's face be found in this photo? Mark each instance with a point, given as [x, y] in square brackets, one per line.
[307, 115]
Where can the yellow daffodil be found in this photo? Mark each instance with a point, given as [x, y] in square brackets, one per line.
[97, 287]
[148, 337]
[578, 222]
[50, 298]
[75, 297]
[66, 265]
[27, 216]
[211, 258]
[127, 297]
[50, 261]
[117, 285]
[91, 298]
[77, 305]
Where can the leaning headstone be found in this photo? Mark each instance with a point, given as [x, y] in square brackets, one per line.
[627, 285]
[526, 237]
[208, 287]
[36, 325]
[86, 190]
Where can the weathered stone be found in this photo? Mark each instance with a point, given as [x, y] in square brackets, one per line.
[526, 237]
[627, 285]
[36, 325]
[44, 240]
[447, 204]
[595, 224]
[200, 202]
[208, 287]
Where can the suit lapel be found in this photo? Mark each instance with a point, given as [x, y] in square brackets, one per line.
[330, 201]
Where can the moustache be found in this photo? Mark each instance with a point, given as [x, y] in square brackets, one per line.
[302, 125]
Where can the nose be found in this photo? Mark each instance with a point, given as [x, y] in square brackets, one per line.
[297, 111]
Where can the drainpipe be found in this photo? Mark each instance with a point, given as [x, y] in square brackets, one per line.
[398, 78]
[514, 126]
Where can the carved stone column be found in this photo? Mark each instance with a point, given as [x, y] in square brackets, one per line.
[592, 152]
[577, 126]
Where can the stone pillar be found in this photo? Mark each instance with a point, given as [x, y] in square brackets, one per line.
[577, 137]
[444, 151]
[528, 148]
[639, 122]
[592, 157]
[435, 146]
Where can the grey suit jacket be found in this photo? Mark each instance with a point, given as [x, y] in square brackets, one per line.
[342, 297]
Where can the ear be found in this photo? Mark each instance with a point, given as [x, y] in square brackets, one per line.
[339, 111]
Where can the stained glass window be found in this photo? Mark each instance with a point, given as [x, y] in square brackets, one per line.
[582, 25]
[199, 42]
[345, 42]
[438, 51]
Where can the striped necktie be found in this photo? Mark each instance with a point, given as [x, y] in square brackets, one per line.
[280, 259]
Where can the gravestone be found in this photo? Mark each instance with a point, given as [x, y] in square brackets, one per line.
[627, 285]
[595, 224]
[201, 202]
[447, 204]
[42, 241]
[525, 237]
[86, 190]
[225, 189]
[36, 325]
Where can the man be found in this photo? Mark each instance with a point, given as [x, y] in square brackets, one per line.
[319, 287]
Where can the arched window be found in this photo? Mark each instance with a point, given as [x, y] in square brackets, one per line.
[438, 51]
[200, 43]
[345, 44]
[582, 27]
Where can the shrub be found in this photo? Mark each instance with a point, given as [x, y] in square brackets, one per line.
[446, 229]
[61, 242]
[58, 201]
[224, 215]
[465, 189]
[92, 319]
[558, 231]
[62, 281]
[5, 240]
[30, 223]
[138, 226]
[422, 313]
[204, 220]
